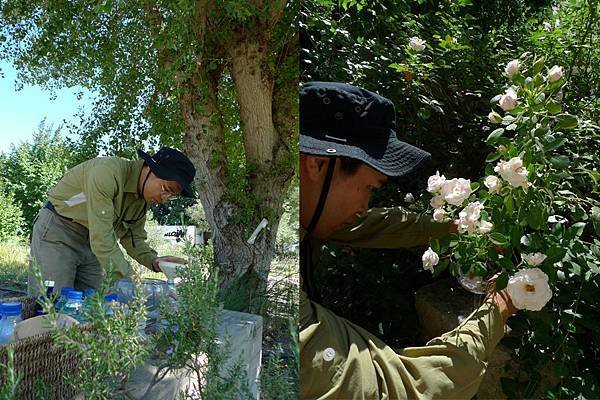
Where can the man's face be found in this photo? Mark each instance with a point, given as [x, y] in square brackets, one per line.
[159, 190]
[348, 194]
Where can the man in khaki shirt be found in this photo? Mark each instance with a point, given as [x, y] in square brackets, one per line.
[98, 204]
[348, 147]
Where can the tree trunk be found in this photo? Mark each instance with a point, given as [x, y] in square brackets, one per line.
[268, 121]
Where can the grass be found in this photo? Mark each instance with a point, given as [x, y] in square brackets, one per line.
[14, 259]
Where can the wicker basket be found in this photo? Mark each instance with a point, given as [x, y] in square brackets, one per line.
[38, 362]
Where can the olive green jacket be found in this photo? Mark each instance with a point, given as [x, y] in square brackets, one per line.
[102, 195]
[340, 360]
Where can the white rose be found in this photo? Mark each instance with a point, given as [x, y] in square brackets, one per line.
[493, 183]
[485, 227]
[547, 26]
[494, 117]
[409, 198]
[430, 259]
[533, 259]
[416, 44]
[456, 190]
[438, 215]
[468, 218]
[512, 68]
[555, 73]
[513, 172]
[437, 202]
[434, 183]
[529, 290]
[508, 101]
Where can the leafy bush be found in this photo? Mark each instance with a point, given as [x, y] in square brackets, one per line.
[546, 215]
[29, 170]
[10, 215]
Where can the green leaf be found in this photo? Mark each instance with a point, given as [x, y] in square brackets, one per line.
[576, 229]
[555, 143]
[475, 186]
[566, 121]
[553, 107]
[493, 157]
[502, 281]
[535, 217]
[538, 65]
[511, 127]
[438, 269]
[560, 162]
[555, 254]
[493, 137]
[540, 98]
[498, 239]
[596, 219]
[508, 205]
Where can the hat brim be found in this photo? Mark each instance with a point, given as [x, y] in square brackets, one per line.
[399, 158]
[167, 174]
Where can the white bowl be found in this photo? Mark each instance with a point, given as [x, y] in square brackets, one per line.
[169, 268]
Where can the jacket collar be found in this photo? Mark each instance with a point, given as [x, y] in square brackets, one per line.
[133, 176]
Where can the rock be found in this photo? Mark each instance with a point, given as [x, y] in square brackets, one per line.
[240, 334]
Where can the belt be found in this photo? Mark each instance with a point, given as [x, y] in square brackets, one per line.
[48, 205]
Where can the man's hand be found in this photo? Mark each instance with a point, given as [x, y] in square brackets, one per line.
[156, 267]
[501, 299]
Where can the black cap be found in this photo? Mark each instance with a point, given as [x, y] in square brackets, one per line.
[337, 119]
[172, 165]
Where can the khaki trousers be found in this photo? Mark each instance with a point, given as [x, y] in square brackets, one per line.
[61, 249]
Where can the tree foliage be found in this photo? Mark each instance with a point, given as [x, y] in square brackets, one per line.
[30, 169]
[217, 78]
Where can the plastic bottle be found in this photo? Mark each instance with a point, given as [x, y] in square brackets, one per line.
[110, 302]
[49, 291]
[11, 315]
[62, 299]
[87, 301]
[73, 305]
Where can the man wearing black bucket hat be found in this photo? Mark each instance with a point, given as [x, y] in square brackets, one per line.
[98, 204]
[348, 147]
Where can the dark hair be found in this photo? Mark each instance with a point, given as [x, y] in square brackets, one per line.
[349, 166]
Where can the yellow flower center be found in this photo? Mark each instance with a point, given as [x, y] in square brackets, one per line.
[530, 288]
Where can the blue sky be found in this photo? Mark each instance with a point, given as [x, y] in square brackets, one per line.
[22, 111]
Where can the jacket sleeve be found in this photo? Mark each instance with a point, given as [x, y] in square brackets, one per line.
[134, 242]
[360, 365]
[100, 188]
[391, 228]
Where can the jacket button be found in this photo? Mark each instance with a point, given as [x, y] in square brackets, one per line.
[326, 100]
[338, 116]
[328, 354]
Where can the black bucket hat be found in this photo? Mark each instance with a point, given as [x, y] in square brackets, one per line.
[172, 165]
[337, 119]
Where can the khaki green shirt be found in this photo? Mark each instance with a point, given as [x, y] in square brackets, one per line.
[102, 195]
[340, 360]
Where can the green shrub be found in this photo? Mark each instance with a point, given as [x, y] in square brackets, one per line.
[11, 217]
[29, 170]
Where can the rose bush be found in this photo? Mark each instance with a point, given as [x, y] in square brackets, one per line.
[534, 219]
